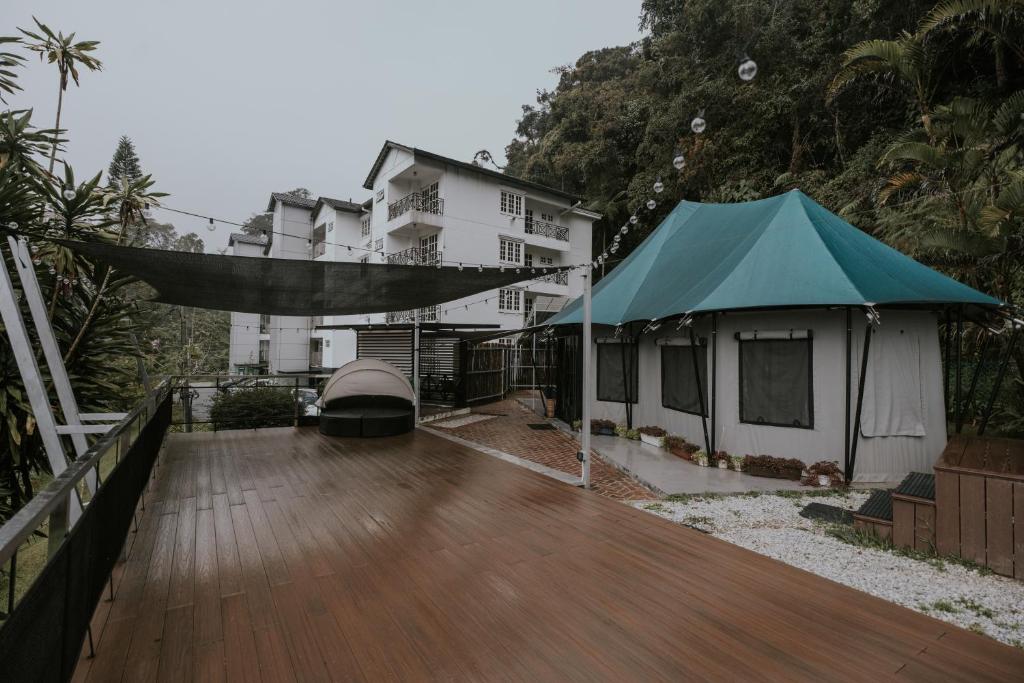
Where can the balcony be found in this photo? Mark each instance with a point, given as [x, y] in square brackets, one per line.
[545, 229]
[553, 283]
[417, 201]
[428, 314]
[415, 256]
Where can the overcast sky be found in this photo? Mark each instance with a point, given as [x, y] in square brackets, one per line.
[228, 100]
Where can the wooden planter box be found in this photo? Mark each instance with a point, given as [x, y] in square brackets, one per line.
[793, 473]
[603, 431]
[680, 453]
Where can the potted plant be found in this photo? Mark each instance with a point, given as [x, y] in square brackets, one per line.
[721, 459]
[736, 462]
[633, 434]
[775, 468]
[700, 458]
[824, 473]
[676, 445]
[652, 436]
[602, 427]
[577, 425]
[621, 430]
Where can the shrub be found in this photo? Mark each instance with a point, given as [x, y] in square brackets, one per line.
[633, 434]
[652, 431]
[676, 442]
[253, 408]
[597, 425]
[720, 455]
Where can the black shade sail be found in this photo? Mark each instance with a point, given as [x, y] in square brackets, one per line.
[248, 284]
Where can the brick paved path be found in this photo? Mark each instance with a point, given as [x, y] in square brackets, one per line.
[509, 433]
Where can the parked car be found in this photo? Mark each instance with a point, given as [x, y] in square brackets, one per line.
[307, 398]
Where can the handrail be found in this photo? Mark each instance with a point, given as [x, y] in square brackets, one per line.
[415, 256]
[27, 520]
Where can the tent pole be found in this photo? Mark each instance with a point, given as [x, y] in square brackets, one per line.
[998, 383]
[416, 366]
[982, 354]
[700, 391]
[714, 381]
[585, 422]
[862, 380]
[945, 363]
[957, 412]
[846, 415]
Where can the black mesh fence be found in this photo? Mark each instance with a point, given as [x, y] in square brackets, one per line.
[43, 636]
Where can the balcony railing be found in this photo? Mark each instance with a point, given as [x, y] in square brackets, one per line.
[415, 256]
[427, 203]
[559, 278]
[427, 315]
[545, 229]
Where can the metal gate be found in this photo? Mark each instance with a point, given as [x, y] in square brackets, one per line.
[487, 372]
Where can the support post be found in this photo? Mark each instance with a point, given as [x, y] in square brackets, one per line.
[957, 408]
[51, 351]
[998, 383]
[714, 381]
[416, 366]
[700, 391]
[862, 380]
[947, 353]
[33, 382]
[846, 401]
[585, 421]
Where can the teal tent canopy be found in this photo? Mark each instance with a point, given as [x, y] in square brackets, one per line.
[783, 252]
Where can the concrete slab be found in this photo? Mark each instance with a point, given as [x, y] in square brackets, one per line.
[662, 471]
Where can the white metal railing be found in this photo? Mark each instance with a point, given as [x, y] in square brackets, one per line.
[415, 256]
[428, 314]
[534, 226]
[417, 201]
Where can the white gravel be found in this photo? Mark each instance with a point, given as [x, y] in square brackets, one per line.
[770, 524]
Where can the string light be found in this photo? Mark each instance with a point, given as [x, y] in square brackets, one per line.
[69, 194]
[747, 69]
[633, 219]
[679, 161]
[658, 185]
[651, 204]
[210, 226]
[698, 124]
[13, 225]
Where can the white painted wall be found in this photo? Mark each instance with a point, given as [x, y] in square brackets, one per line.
[879, 459]
[289, 335]
[244, 345]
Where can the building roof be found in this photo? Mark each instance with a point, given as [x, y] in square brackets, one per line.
[500, 177]
[782, 252]
[291, 200]
[242, 238]
[338, 205]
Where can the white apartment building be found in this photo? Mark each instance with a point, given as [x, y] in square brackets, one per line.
[423, 208]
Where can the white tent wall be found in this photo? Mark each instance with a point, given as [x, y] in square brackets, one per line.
[879, 458]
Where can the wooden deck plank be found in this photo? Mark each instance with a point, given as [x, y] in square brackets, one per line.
[281, 554]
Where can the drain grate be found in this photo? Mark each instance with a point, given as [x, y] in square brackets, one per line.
[540, 425]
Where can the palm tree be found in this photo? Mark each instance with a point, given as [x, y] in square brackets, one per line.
[996, 24]
[906, 60]
[60, 49]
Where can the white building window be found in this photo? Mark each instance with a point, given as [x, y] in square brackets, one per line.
[379, 244]
[510, 251]
[546, 260]
[511, 203]
[510, 300]
[528, 260]
[365, 224]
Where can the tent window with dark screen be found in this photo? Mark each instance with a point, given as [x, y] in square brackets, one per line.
[775, 382]
[616, 371]
[678, 382]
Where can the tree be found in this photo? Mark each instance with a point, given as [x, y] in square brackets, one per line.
[125, 163]
[258, 224]
[60, 49]
[253, 408]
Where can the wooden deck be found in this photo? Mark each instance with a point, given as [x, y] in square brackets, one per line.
[280, 554]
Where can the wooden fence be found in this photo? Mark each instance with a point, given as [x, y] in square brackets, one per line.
[979, 482]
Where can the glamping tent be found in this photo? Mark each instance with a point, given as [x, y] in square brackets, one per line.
[367, 397]
[775, 327]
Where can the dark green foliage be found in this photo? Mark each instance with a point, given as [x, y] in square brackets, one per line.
[125, 163]
[253, 408]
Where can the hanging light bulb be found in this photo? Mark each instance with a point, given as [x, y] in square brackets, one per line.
[747, 69]
[13, 225]
[624, 229]
[658, 185]
[438, 264]
[460, 267]
[34, 248]
[617, 239]
[633, 219]
[614, 248]
[698, 124]
[69, 194]
[651, 204]
[480, 269]
[679, 161]
[533, 271]
[37, 261]
[52, 270]
[517, 271]
[210, 226]
[309, 244]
